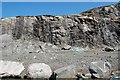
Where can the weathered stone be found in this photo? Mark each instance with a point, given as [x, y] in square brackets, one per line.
[100, 68]
[116, 73]
[108, 49]
[62, 29]
[88, 75]
[49, 44]
[66, 47]
[66, 72]
[84, 76]
[95, 75]
[78, 49]
[10, 68]
[55, 47]
[39, 70]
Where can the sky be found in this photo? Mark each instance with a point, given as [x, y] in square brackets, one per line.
[60, 0]
[11, 9]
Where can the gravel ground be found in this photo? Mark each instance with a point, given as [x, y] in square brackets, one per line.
[63, 58]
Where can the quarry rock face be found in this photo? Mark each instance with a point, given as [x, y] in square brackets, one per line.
[97, 27]
[93, 28]
[59, 41]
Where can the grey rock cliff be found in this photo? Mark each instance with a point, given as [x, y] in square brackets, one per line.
[93, 28]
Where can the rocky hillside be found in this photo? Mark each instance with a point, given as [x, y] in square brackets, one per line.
[95, 28]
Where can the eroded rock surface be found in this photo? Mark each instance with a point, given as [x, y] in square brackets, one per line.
[93, 28]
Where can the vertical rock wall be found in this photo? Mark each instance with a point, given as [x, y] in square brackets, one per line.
[94, 28]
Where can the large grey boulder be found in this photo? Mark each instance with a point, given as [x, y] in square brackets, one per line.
[39, 70]
[10, 68]
[66, 72]
[100, 68]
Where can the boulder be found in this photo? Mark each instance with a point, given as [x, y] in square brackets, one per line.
[95, 76]
[116, 73]
[10, 68]
[83, 76]
[100, 68]
[55, 47]
[66, 72]
[66, 47]
[78, 49]
[108, 49]
[39, 70]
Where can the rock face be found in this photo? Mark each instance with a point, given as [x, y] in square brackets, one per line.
[93, 28]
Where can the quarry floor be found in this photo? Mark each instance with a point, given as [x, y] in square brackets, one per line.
[63, 58]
